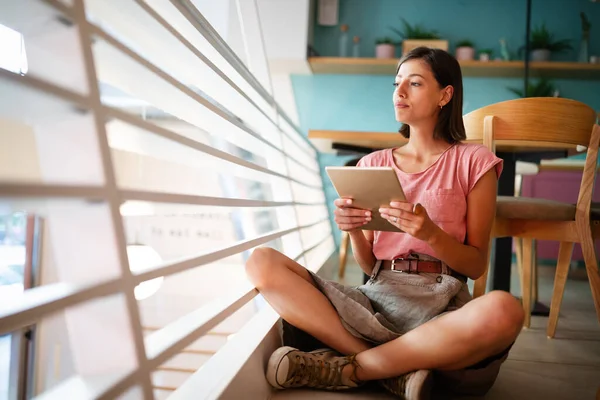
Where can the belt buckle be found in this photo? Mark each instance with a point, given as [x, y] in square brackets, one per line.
[410, 259]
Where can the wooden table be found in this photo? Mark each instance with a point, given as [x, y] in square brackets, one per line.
[329, 141]
[510, 151]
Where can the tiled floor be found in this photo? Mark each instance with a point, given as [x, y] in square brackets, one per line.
[566, 367]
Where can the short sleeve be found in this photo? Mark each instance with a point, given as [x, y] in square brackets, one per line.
[363, 162]
[480, 162]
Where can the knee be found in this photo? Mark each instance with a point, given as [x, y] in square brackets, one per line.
[503, 317]
[259, 266]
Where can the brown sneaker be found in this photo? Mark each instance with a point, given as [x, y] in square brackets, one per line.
[291, 368]
[412, 386]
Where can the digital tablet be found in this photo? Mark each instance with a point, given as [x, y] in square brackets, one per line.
[370, 188]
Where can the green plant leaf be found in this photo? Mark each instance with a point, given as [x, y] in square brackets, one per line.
[516, 91]
[542, 88]
[385, 40]
[408, 30]
[585, 24]
[560, 46]
[414, 32]
[397, 32]
[465, 43]
[541, 38]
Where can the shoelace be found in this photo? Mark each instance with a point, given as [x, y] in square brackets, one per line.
[396, 385]
[317, 373]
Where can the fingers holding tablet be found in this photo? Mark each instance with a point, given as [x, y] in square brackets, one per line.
[349, 218]
[411, 218]
[343, 202]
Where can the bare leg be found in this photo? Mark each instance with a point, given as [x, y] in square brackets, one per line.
[482, 328]
[289, 289]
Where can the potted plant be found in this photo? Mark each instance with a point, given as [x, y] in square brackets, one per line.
[543, 88]
[417, 36]
[385, 48]
[465, 50]
[543, 44]
[485, 54]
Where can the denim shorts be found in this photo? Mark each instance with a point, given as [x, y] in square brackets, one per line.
[391, 304]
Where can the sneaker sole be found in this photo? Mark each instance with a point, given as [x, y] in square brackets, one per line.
[273, 365]
[422, 381]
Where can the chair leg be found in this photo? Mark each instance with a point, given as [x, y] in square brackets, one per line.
[526, 280]
[591, 266]
[345, 239]
[534, 272]
[565, 251]
[519, 253]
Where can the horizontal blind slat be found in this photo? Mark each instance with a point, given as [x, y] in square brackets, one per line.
[191, 262]
[168, 341]
[168, 134]
[215, 108]
[40, 301]
[95, 193]
[190, 12]
[207, 61]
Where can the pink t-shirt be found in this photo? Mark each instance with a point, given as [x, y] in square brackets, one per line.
[442, 189]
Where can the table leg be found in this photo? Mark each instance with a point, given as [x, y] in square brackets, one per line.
[500, 273]
[501, 266]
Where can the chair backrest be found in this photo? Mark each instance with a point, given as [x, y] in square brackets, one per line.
[541, 122]
[535, 122]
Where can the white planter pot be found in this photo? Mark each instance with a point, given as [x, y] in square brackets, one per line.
[540, 55]
[484, 57]
[385, 51]
[465, 53]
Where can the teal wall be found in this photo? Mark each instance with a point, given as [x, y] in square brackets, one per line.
[482, 22]
[363, 102]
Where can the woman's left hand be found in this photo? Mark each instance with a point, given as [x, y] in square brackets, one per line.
[411, 218]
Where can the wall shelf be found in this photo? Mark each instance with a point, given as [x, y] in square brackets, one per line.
[502, 69]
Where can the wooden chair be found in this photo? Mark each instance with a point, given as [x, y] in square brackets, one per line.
[521, 169]
[536, 123]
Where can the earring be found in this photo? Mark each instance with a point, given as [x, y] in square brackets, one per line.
[441, 107]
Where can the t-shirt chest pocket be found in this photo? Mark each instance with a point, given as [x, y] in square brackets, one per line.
[444, 205]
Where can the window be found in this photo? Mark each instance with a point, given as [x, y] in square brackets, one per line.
[153, 189]
[12, 51]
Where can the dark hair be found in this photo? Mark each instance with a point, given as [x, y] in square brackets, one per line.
[446, 71]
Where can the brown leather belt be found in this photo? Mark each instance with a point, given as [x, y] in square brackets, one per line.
[413, 265]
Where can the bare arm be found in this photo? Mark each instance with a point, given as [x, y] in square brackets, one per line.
[351, 219]
[362, 247]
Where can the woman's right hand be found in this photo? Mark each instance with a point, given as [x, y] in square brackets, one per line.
[349, 218]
